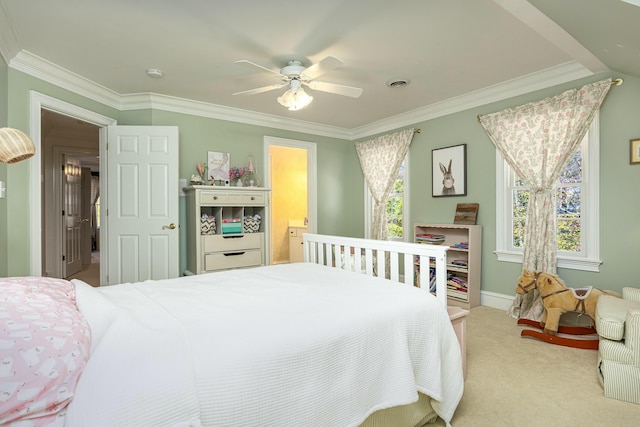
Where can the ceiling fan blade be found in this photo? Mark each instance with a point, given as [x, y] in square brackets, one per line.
[353, 92]
[261, 89]
[244, 61]
[316, 70]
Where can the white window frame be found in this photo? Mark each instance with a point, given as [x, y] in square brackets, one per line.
[368, 207]
[589, 258]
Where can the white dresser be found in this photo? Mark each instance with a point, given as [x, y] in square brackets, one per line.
[227, 227]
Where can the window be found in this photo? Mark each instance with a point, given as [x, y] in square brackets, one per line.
[577, 198]
[397, 206]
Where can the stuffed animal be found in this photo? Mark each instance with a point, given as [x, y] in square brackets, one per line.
[558, 299]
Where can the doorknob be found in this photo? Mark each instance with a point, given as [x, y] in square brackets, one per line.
[171, 226]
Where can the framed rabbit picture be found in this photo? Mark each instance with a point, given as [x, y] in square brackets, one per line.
[449, 169]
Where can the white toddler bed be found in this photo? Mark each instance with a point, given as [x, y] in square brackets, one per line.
[284, 345]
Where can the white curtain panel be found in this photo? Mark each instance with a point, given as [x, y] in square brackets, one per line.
[380, 159]
[537, 140]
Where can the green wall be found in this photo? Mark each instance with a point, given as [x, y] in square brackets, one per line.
[340, 182]
[619, 198]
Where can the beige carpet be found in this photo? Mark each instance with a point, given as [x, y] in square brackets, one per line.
[515, 381]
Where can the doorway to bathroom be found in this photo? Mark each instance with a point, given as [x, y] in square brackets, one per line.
[291, 175]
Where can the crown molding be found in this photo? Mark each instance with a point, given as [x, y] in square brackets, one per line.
[221, 112]
[49, 72]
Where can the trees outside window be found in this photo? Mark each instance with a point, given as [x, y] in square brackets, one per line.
[397, 206]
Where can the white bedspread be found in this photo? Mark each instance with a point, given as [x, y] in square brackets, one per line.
[286, 345]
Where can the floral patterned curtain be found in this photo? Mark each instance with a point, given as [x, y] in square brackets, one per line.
[537, 140]
[380, 159]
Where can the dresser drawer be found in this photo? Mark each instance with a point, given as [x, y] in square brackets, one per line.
[233, 242]
[239, 199]
[224, 260]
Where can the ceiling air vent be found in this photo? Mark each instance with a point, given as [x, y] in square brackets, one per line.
[398, 83]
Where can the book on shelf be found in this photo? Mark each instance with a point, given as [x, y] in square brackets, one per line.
[457, 295]
[461, 245]
[457, 283]
[433, 239]
[460, 263]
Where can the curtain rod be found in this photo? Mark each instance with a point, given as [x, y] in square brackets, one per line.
[614, 82]
[417, 130]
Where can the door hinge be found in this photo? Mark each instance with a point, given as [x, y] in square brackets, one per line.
[63, 212]
[64, 257]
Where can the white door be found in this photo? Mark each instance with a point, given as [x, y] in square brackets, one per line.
[142, 203]
[72, 216]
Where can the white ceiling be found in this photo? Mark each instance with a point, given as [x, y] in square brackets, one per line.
[450, 50]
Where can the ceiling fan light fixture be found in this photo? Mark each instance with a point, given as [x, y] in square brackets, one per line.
[295, 99]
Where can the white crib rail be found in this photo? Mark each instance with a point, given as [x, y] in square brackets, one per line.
[331, 251]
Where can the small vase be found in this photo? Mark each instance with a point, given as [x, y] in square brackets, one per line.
[239, 183]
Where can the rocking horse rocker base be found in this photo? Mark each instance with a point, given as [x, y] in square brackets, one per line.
[589, 340]
[557, 300]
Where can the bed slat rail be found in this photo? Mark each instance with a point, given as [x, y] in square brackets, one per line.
[349, 253]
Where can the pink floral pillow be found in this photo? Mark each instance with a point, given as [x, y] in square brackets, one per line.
[44, 346]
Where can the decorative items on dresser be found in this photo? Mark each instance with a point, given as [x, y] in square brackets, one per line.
[464, 259]
[227, 227]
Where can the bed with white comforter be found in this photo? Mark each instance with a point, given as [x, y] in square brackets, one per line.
[288, 345]
[295, 344]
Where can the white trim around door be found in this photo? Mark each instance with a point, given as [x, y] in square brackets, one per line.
[39, 101]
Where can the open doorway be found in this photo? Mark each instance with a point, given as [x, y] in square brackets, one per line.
[291, 175]
[71, 181]
[39, 104]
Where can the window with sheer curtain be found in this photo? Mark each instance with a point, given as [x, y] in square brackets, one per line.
[577, 207]
[397, 206]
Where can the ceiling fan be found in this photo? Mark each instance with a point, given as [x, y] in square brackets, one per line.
[295, 75]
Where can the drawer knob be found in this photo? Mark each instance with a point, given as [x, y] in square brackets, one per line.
[253, 197]
[215, 197]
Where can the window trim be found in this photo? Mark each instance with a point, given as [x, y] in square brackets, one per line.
[589, 260]
[368, 207]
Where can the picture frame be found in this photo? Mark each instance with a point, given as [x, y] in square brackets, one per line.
[449, 171]
[218, 166]
[634, 145]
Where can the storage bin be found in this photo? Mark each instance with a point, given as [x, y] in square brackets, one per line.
[207, 225]
[231, 227]
[251, 224]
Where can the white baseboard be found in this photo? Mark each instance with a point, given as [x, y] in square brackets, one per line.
[495, 300]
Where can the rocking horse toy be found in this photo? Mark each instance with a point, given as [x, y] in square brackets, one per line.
[557, 300]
